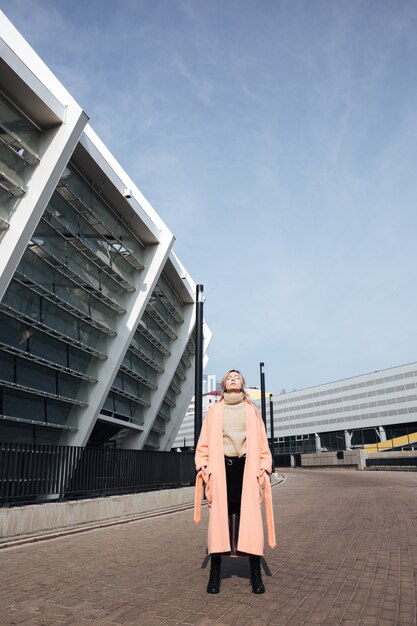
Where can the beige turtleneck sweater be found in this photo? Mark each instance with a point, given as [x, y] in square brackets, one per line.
[234, 425]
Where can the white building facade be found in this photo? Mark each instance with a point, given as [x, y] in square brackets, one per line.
[377, 407]
[97, 313]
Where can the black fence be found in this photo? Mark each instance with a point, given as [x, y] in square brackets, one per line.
[37, 473]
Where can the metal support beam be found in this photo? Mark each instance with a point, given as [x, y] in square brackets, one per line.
[199, 353]
[271, 441]
[263, 399]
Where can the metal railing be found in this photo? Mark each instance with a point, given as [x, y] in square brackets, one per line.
[31, 473]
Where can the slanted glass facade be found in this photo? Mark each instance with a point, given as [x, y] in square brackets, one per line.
[96, 319]
[19, 148]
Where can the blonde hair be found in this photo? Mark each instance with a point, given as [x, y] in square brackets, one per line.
[246, 397]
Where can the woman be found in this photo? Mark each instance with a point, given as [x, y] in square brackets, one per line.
[233, 460]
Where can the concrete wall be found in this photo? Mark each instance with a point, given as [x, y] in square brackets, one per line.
[57, 516]
[351, 458]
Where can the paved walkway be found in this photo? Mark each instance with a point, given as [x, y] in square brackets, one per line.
[347, 554]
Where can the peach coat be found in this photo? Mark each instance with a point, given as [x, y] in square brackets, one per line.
[209, 452]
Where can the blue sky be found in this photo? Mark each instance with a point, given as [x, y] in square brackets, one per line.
[278, 141]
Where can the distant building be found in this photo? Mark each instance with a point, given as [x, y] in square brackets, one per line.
[255, 393]
[372, 408]
[209, 383]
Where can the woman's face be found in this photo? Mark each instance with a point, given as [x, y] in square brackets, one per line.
[233, 382]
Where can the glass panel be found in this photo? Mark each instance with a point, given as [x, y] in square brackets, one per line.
[71, 264]
[153, 439]
[139, 368]
[159, 424]
[19, 145]
[162, 316]
[145, 347]
[57, 413]
[16, 404]
[93, 210]
[169, 298]
[32, 376]
[40, 310]
[83, 236]
[155, 330]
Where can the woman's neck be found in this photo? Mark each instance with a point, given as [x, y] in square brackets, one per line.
[233, 397]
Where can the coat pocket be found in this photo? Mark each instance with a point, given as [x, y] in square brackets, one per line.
[260, 490]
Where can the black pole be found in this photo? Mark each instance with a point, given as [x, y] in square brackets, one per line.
[198, 390]
[263, 400]
[272, 440]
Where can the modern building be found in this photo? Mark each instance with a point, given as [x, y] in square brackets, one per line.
[97, 313]
[379, 407]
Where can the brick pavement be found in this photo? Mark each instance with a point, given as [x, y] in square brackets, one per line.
[347, 554]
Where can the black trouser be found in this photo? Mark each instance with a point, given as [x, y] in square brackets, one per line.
[234, 480]
[235, 467]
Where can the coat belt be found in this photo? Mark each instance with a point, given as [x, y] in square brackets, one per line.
[198, 494]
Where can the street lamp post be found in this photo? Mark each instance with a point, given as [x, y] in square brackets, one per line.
[263, 400]
[198, 390]
[272, 439]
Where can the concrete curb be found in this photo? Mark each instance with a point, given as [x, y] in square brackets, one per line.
[33, 520]
[277, 479]
[83, 528]
[13, 542]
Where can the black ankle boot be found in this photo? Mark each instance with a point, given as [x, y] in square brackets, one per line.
[255, 574]
[214, 580]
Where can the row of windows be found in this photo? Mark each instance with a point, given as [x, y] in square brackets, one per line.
[284, 399]
[346, 409]
[353, 418]
[32, 343]
[356, 396]
[38, 309]
[26, 374]
[15, 404]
